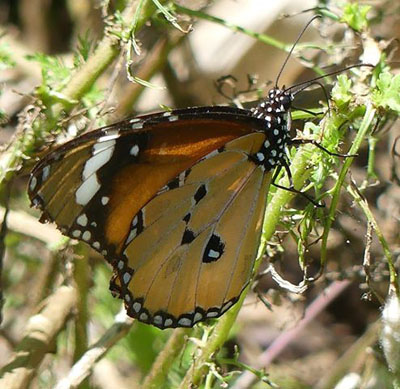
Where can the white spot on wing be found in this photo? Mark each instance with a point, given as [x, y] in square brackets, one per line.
[126, 278]
[184, 321]
[197, 317]
[137, 125]
[46, 172]
[212, 314]
[105, 200]
[87, 190]
[108, 137]
[143, 316]
[76, 233]
[213, 254]
[82, 220]
[134, 150]
[102, 153]
[131, 236]
[167, 323]
[227, 306]
[86, 236]
[33, 183]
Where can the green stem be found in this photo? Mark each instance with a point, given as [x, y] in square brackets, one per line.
[158, 374]
[234, 27]
[260, 37]
[365, 125]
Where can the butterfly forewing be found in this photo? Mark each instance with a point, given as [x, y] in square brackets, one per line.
[92, 187]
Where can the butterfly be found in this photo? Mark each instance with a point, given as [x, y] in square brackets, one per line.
[174, 201]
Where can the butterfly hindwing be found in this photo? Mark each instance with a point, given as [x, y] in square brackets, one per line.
[194, 252]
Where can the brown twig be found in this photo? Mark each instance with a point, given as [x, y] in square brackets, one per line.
[41, 332]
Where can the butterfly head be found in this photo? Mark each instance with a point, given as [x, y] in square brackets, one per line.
[278, 103]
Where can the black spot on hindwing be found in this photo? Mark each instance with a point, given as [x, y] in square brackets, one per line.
[187, 217]
[188, 236]
[214, 249]
[200, 193]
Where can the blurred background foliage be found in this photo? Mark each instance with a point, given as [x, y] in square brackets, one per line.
[177, 62]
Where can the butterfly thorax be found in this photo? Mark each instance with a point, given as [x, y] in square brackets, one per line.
[275, 111]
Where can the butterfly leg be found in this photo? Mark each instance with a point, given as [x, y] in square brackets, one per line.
[317, 144]
[291, 187]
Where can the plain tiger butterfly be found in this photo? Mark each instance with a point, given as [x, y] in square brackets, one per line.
[174, 201]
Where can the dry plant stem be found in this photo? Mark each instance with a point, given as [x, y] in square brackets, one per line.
[361, 135]
[385, 247]
[221, 331]
[153, 62]
[157, 377]
[84, 366]
[41, 332]
[28, 225]
[285, 338]
[81, 280]
[352, 355]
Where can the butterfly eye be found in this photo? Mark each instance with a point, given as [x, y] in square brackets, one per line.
[286, 101]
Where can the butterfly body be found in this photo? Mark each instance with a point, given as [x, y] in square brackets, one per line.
[174, 201]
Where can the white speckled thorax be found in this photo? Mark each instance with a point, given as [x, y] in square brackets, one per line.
[275, 111]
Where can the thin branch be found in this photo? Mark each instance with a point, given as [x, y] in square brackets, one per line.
[84, 366]
[41, 332]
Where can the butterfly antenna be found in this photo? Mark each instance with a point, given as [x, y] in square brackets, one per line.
[305, 84]
[292, 48]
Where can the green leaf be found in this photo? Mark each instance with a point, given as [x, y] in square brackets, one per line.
[355, 15]
[387, 93]
[55, 73]
[341, 91]
[83, 50]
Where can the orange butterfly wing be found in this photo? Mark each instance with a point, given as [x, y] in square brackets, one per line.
[174, 201]
[93, 186]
